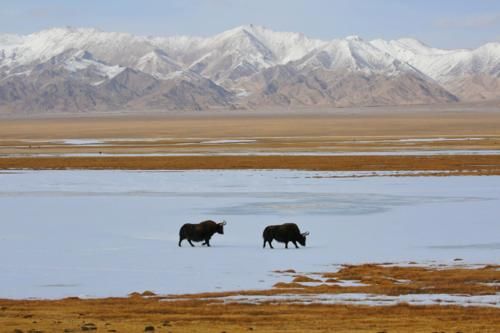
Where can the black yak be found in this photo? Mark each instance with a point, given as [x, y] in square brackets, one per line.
[284, 233]
[200, 232]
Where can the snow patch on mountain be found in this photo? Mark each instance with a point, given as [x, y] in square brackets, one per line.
[444, 65]
[352, 54]
[158, 64]
[83, 60]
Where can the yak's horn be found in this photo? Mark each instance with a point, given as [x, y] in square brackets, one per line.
[223, 222]
[305, 233]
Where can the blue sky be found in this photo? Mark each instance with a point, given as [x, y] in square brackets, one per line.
[440, 23]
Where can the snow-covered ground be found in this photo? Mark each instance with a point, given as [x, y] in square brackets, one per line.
[101, 233]
[368, 299]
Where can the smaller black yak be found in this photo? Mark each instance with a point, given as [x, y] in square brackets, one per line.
[284, 233]
[200, 232]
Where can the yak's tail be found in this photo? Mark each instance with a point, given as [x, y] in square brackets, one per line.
[182, 231]
[182, 235]
[265, 233]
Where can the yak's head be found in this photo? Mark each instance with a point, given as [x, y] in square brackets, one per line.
[302, 238]
[220, 227]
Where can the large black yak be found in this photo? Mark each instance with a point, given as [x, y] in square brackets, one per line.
[200, 232]
[284, 233]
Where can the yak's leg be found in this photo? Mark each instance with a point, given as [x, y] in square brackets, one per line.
[286, 245]
[190, 243]
[295, 243]
[264, 246]
[180, 241]
[270, 245]
[207, 242]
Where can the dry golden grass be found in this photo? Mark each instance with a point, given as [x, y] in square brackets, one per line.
[455, 164]
[303, 278]
[193, 314]
[134, 314]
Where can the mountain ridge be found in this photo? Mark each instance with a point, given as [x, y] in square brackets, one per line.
[245, 67]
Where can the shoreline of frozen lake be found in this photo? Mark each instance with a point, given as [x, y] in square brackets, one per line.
[109, 233]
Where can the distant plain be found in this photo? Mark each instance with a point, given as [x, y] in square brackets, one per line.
[112, 140]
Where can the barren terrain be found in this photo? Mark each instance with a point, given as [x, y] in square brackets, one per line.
[459, 120]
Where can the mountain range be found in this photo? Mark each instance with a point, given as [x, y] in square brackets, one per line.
[249, 67]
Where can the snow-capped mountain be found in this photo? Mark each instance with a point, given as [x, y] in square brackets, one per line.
[352, 54]
[469, 74]
[444, 65]
[158, 64]
[248, 66]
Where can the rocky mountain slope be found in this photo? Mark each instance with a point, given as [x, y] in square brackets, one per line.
[72, 69]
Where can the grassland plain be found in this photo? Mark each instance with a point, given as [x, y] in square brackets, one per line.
[207, 140]
[24, 141]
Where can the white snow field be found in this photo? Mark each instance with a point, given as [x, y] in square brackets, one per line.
[109, 233]
[366, 299]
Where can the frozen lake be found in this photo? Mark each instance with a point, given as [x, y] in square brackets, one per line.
[103, 233]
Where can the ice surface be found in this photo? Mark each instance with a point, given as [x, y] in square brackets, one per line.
[227, 141]
[417, 140]
[83, 142]
[102, 233]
